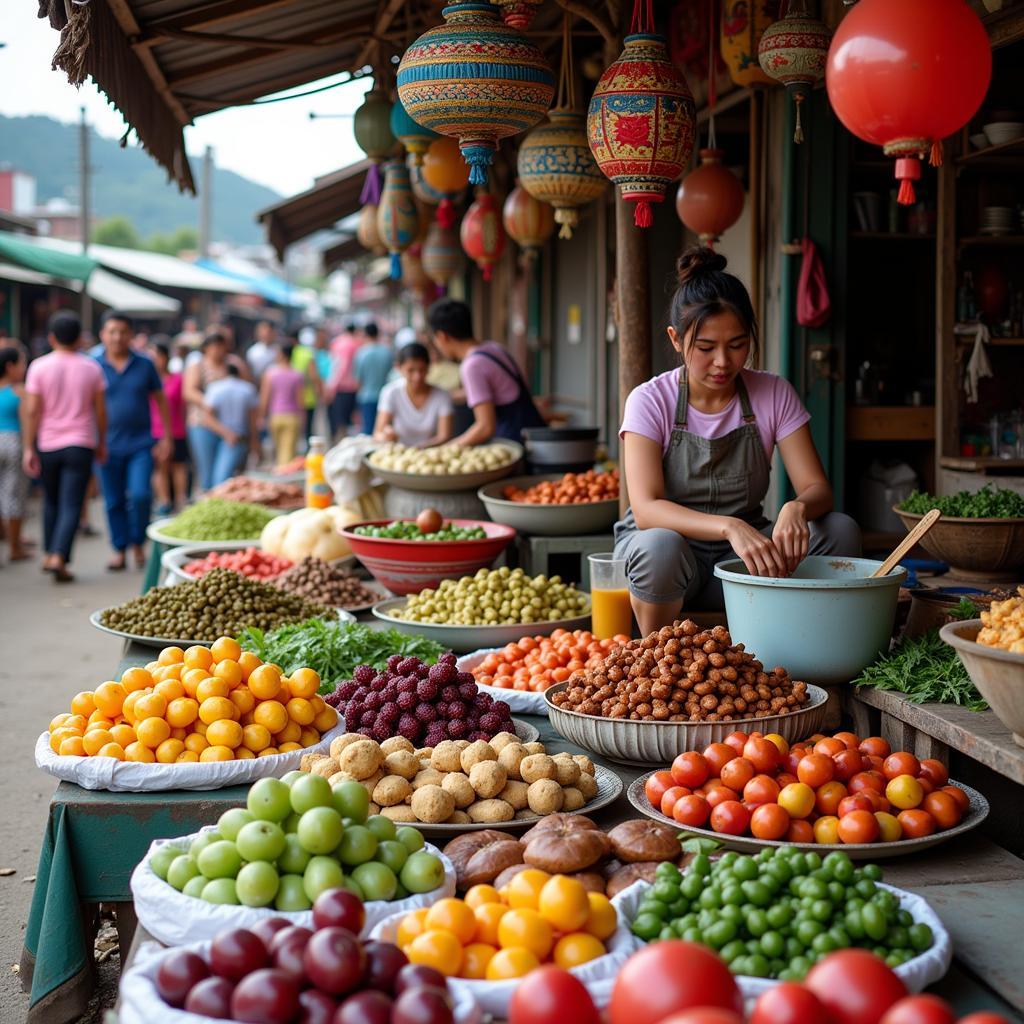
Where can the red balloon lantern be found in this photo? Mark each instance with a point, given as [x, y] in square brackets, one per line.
[904, 74]
[481, 233]
[528, 222]
[710, 198]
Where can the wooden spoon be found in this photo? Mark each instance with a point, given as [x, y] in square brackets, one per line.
[926, 523]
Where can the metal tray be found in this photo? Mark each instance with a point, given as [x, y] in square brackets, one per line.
[976, 814]
[155, 532]
[585, 517]
[448, 482]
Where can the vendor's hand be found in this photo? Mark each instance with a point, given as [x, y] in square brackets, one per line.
[759, 553]
[791, 535]
[388, 433]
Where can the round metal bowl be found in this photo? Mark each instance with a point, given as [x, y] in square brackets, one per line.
[976, 814]
[547, 520]
[998, 674]
[409, 566]
[645, 743]
[463, 639]
[983, 549]
[448, 481]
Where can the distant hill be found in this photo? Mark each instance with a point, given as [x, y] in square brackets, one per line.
[128, 181]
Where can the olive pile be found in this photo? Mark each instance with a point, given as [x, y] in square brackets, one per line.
[318, 581]
[222, 603]
[496, 597]
[406, 529]
[217, 519]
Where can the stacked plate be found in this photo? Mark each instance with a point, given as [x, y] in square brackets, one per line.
[997, 220]
[1000, 132]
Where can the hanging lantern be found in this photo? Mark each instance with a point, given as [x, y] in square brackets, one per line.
[641, 121]
[519, 13]
[371, 125]
[397, 216]
[413, 136]
[442, 255]
[424, 216]
[481, 233]
[904, 76]
[366, 230]
[414, 277]
[743, 24]
[710, 198]
[793, 51]
[528, 222]
[688, 37]
[447, 174]
[476, 79]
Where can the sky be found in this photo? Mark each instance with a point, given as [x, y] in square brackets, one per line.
[277, 144]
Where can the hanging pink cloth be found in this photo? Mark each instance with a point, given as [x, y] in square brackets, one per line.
[813, 304]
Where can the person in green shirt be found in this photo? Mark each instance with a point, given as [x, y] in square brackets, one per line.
[304, 360]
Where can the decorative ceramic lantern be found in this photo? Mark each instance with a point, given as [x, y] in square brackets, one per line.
[445, 174]
[476, 79]
[743, 24]
[793, 51]
[905, 75]
[371, 125]
[397, 217]
[640, 123]
[481, 233]
[710, 198]
[519, 13]
[442, 255]
[528, 222]
[687, 33]
[414, 277]
[413, 136]
[366, 230]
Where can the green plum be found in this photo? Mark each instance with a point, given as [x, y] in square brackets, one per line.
[269, 800]
[321, 873]
[194, 886]
[310, 791]
[377, 880]
[294, 859]
[257, 884]
[220, 890]
[161, 860]
[411, 838]
[182, 869]
[201, 842]
[423, 872]
[291, 895]
[351, 801]
[230, 822]
[320, 830]
[220, 860]
[358, 845]
[260, 840]
[289, 777]
[393, 854]
[381, 827]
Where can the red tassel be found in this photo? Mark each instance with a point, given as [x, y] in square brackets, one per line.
[643, 216]
[936, 158]
[908, 170]
[906, 196]
[446, 214]
[487, 272]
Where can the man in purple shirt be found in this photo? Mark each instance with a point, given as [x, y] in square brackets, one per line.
[496, 391]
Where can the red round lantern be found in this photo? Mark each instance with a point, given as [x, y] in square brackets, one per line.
[904, 75]
[710, 198]
[528, 222]
[481, 233]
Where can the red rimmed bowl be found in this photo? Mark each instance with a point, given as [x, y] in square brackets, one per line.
[409, 566]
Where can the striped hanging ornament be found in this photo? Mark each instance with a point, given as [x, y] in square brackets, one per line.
[397, 217]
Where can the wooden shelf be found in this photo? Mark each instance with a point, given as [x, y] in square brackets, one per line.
[989, 152]
[976, 241]
[977, 463]
[890, 423]
[891, 236]
[964, 339]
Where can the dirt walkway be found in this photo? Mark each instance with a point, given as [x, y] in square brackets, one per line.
[49, 653]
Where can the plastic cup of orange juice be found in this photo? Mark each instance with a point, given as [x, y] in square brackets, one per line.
[611, 613]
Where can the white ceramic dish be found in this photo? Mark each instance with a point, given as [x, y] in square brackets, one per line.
[548, 520]
[155, 532]
[523, 701]
[448, 481]
[1000, 132]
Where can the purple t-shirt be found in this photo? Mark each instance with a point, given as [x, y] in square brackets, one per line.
[485, 382]
[286, 387]
[651, 410]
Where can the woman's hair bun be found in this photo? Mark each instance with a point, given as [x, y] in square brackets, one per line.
[698, 261]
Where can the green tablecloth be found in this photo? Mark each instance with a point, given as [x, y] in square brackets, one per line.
[152, 575]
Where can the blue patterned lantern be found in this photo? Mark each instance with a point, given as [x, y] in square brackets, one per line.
[476, 79]
[413, 136]
[398, 220]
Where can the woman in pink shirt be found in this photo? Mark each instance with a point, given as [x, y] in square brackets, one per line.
[65, 422]
[697, 449]
[170, 477]
[281, 406]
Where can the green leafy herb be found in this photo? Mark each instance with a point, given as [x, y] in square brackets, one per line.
[697, 844]
[924, 668]
[988, 503]
[334, 649]
[964, 609]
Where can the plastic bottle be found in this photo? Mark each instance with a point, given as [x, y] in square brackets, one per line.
[318, 491]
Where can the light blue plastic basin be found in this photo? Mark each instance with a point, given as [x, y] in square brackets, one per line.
[823, 624]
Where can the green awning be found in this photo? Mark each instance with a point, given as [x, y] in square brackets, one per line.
[20, 250]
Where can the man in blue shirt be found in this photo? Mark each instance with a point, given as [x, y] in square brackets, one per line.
[127, 474]
[371, 368]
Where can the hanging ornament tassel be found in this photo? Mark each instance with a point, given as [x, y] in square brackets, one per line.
[936, 156]
[396, 266]
[798, 129]
[643, 215]
[568, 218]
[479, 158]
[446, 215]
[908, 170]
[372, 186]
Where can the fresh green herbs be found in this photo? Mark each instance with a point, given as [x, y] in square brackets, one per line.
[964, 609]
[924, 668]
[334, 649]
[988, 503]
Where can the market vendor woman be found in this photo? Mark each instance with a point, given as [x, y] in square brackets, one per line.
[697, 449]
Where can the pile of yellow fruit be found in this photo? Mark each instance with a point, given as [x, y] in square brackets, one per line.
[496, 935]
[216, 703]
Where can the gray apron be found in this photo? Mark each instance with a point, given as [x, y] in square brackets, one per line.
[722, 476]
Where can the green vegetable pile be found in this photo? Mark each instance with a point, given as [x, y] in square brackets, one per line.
[988, 503]
[776, 914]
[334, 649]
[217, 519]
[406, 529]
[925, 668]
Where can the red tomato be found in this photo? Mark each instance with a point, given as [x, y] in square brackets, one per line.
[719, 794]
[922, 1009]
[737, 773]
[857, 802]
[691, 810]
[668, 977]
[943, 808]
[872, 763]
[762, 754]
[854, 986]
[761, 789]
[815, 770]
[847, 764]
[859, 827]
[848, 739]
[656, 785]
[704, 1015]
[690, 769]
[792, 759]
[829, 747]
[916, 824]
[828, 798]
[549, 995]
[934, 771]
[959, 796]
[875, 745]
[769, 821]
[926, 784]
[737, 740]
[867, 780]
[730, 817]
[788, 1003]
[785, 778]
[669, 798]
[800, 832]
[717, 755]
[900, 763]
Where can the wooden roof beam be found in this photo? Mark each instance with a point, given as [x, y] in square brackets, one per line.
[308, 41]
[588, 12]
[214, 11]
[386, 12]
[301, 76]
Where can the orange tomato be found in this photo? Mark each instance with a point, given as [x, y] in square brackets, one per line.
[815, 770]
[800, 832]
[602, 919]
[934, 771]
[797, 800]
[847, 764]
[438, 949]
[904, 792]
[875, 746]
[511, 963]
[527, 929]
[718, 755]
[761, 789]
[848, 739]
[488, 917]
[225, 648]
[889, 828]
[475, 958]
[858, 827]
[916, 824]
[576, 948]
[737, 772]
[109, 698]
[410, 926]
[452, 915]
[780, 742]
[867, 780]
[769, 821]
[900, 763]
[135, 679]
[943, 808]
[959, 796]
[826, 829]
[524, 889]
[151, 732]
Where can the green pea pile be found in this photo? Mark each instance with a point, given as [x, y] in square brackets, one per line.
[496, 597]
[776, 914]
[217, 519]
[221, 603]
[406, 529]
